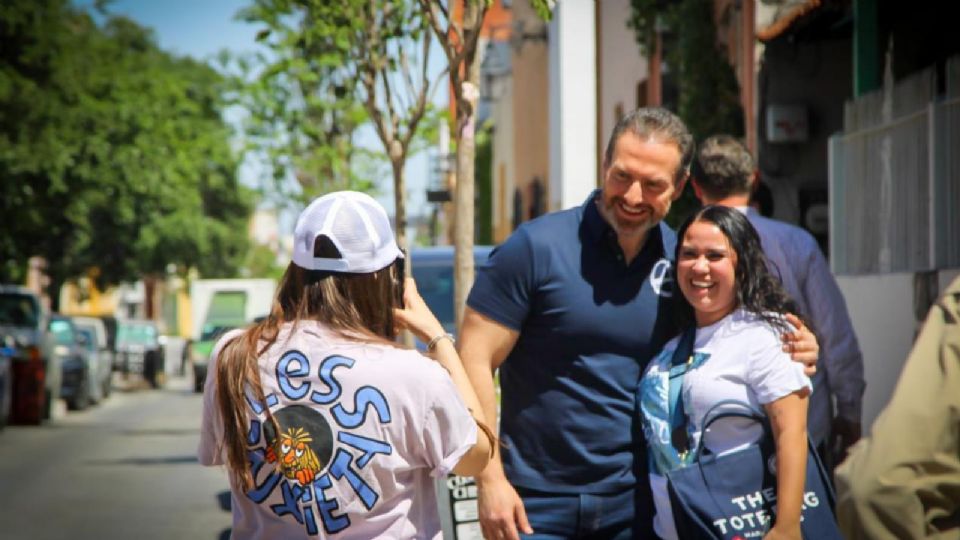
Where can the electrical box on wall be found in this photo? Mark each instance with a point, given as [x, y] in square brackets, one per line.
[787, 124]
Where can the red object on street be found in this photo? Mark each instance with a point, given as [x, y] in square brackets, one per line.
[29, 390]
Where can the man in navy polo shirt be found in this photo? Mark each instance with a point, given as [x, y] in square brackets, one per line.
[571, 308]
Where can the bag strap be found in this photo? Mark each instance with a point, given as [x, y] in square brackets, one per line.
[733, 408]
[728, 408]
[679, 364]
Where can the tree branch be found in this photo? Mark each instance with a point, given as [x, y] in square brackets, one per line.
[421, 104]
[431, 6]
[381, 124]
[424, 80]
[407, 76]
[392, 130]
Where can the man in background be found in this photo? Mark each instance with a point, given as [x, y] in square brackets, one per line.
[723, 174]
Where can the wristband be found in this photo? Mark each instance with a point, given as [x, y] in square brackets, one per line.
[433, 342]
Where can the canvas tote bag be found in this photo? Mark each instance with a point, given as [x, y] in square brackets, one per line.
[733, 496]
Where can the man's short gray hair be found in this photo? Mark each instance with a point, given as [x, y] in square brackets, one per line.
[655, 123]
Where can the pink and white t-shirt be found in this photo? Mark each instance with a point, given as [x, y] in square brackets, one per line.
[364, 431]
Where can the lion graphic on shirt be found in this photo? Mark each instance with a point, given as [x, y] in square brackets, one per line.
[297, 459]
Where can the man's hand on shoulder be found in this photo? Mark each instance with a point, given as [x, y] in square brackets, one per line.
[802, 345]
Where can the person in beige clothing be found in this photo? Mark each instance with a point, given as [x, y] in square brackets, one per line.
[904, 480]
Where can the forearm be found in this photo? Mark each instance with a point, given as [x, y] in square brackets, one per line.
[484, 345]
[788, 420]
[481, 378]
[791, 473]
[446, 354]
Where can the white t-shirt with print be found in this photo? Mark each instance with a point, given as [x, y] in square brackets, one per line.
[364, 431]
[739, 357]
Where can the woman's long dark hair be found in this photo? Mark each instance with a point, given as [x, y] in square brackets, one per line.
[359, 307]
[758, 290]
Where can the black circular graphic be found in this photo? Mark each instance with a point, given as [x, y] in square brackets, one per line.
[304, 445]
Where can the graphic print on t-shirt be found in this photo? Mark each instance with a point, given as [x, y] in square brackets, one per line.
[304, 445]
[661, 278]
[655, 407]
[317, 465]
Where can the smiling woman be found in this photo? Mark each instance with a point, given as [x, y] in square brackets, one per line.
[731, 315]
[706, 265]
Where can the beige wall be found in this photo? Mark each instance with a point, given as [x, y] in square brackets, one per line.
[881, 308]
[504, 162]
[530, 108]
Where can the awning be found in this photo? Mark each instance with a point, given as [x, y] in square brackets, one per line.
[788, 13]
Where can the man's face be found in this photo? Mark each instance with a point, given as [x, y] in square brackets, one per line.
[638, 184]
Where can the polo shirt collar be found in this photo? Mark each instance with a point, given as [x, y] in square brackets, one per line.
[595, 225]
[602, 233]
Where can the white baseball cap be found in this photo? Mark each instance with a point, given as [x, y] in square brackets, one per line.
[356, 224]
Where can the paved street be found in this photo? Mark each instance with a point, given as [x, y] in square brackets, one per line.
[123, 469]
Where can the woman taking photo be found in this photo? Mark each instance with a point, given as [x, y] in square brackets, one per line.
[737, 309]
[327, 427]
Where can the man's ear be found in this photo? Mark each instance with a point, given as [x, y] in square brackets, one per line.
[681, 184]
[696, 189]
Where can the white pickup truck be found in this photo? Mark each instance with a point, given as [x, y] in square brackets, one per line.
[218, 305]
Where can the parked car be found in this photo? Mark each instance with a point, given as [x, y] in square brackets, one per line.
[200, 351]
[70, 348]
[433, 272]
[6, 380]
[140, 351]
[36, 369]
[95, 338]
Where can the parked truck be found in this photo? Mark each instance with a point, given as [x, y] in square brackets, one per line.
[219, 305]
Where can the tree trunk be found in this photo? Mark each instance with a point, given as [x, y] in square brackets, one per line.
[464, 199]
[149, 291]
[399, 198]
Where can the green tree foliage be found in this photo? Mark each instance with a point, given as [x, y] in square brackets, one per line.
[709, 100]
[261, 262]
[302, 113]
[709, 95]
[331, 68]
[113, 153]
[543, 8]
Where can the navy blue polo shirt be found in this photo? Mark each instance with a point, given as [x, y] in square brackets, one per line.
[588, 325]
